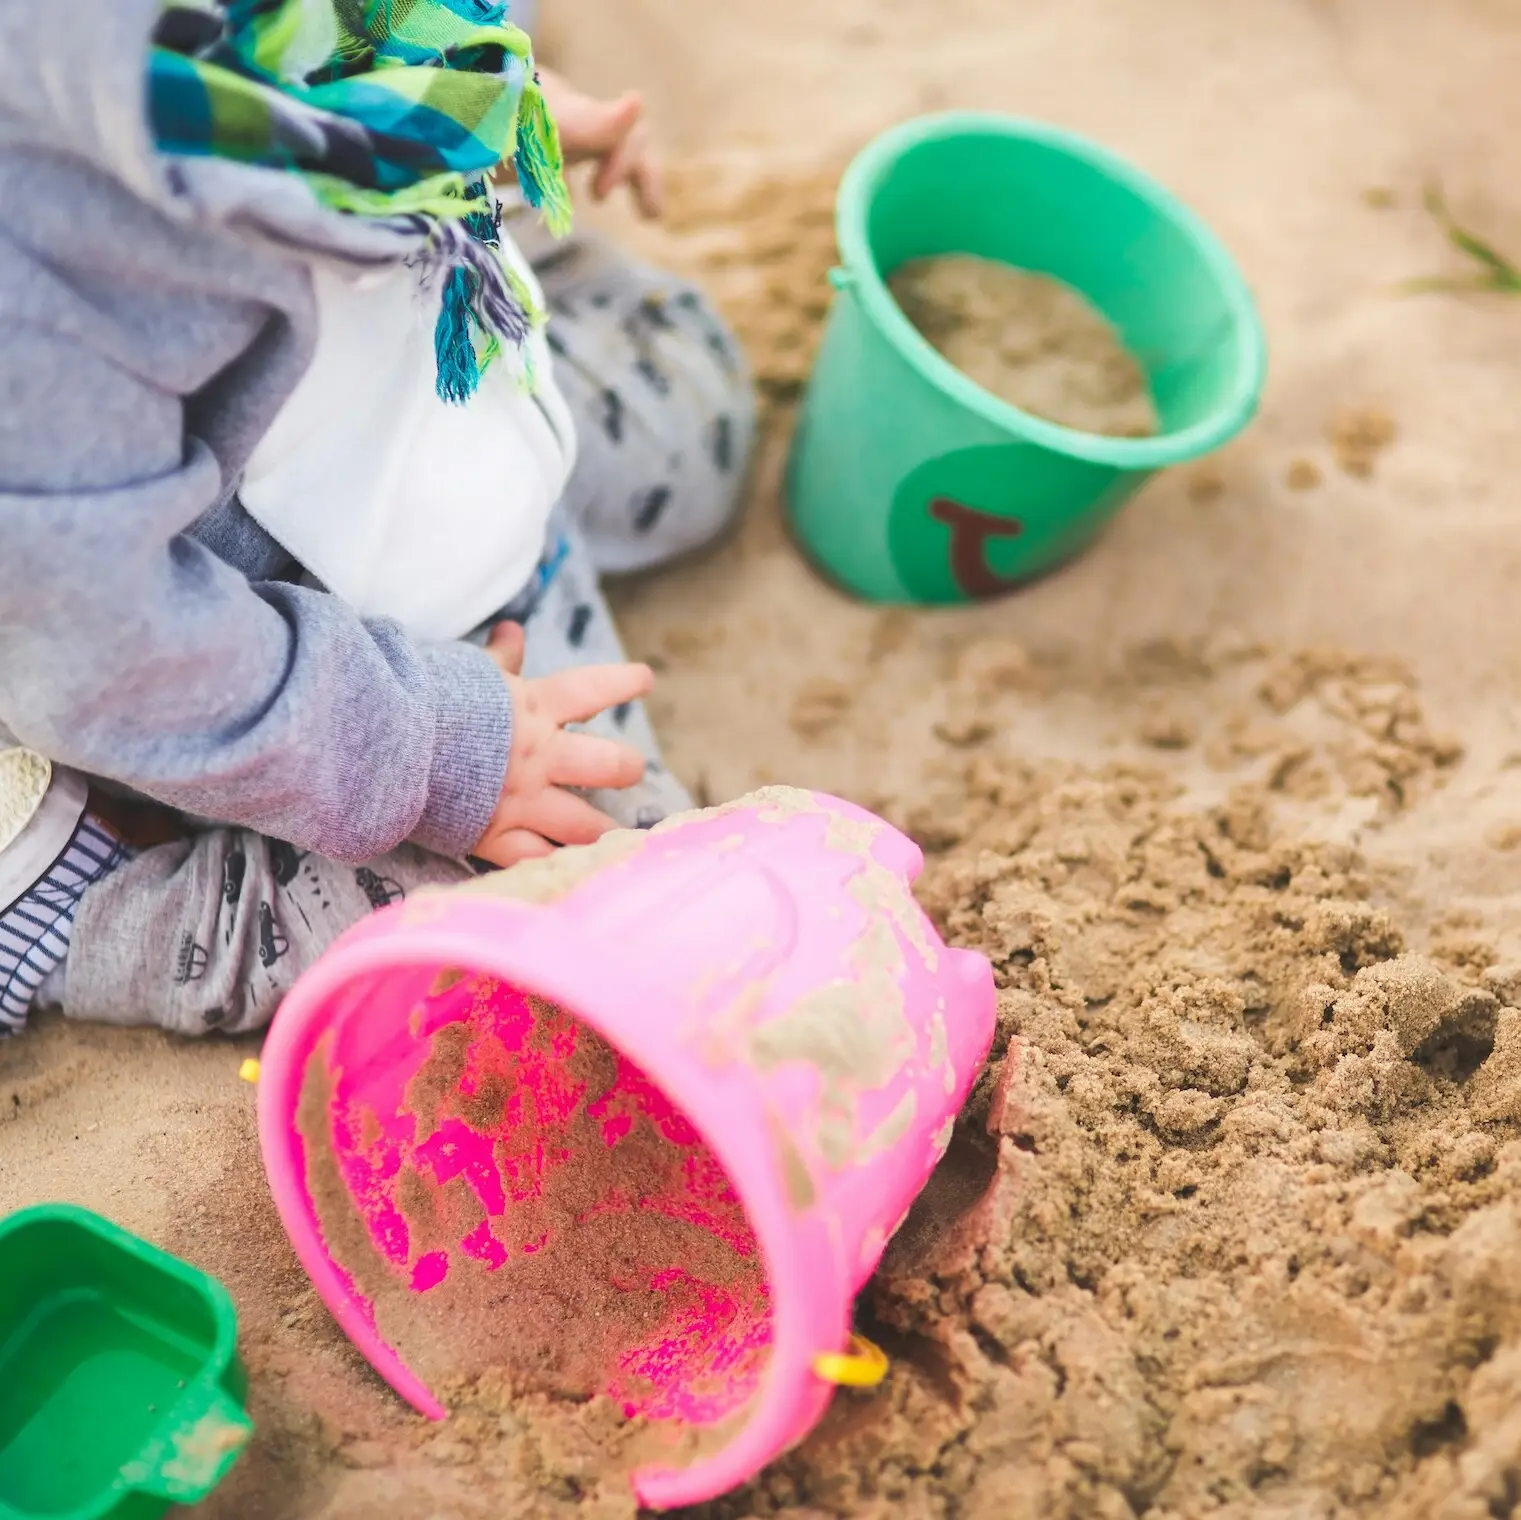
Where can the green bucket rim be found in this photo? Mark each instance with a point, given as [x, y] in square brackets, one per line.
[857, 190]
[224, 1312]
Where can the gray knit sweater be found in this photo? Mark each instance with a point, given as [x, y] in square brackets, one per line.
[154, 315]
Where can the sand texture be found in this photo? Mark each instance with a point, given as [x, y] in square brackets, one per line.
[1028, 339]
[553, 1289]
[1232, 1226]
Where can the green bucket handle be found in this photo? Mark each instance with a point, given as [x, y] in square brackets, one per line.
[188, 1461]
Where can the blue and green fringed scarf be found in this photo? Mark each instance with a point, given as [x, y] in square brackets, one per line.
[391, 109]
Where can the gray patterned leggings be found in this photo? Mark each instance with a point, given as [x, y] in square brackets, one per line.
[209, 933]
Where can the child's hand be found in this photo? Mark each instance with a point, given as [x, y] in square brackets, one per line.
[611, 134]
[535, 811]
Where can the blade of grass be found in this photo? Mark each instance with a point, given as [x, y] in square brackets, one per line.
[1497, 274]
[1450, 285]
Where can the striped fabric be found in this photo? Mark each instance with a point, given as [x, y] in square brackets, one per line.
[36, 928]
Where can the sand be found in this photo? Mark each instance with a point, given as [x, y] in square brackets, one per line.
[552, 1290]
[1231, 1228]
[1028, 339]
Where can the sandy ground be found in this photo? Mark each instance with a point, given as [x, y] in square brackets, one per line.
[1233, 1222]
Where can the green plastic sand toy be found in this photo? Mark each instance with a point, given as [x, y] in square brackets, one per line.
[121, 1393]
[908, 482]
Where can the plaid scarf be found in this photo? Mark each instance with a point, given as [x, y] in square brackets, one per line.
[395, 110]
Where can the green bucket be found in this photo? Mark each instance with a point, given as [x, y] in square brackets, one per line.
[910, 483]
[121, 1393]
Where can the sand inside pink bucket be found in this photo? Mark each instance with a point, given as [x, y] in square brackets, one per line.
[549, 1228]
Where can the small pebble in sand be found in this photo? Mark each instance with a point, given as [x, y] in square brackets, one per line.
[1303, 475]
[987, 668]
[889, 633]
[1358, 437]
[1030, 340]
[1205, 485]
[963, 728]
[1164, 727]
[819, 707]
[684, 643]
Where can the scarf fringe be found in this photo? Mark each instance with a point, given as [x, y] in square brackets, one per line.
[459, 371]
[485, 305]
[540, 161]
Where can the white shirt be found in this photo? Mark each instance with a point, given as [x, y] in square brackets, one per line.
[405, 505]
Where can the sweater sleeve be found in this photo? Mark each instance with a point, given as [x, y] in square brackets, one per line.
[130, 651]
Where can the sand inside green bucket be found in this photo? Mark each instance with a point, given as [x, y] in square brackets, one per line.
[1031, 340]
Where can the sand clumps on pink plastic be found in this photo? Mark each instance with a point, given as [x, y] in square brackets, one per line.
[556, 1234]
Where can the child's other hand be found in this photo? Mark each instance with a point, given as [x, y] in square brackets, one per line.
[535, 811]
[613, 135]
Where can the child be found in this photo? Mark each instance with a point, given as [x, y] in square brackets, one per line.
[302, 505]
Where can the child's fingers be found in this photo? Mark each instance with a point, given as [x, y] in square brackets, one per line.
[506, 847]
[638, 165]
[564, 817]
[573, 696]
[505, 645]
[649, 186]
[602, 127]
[621, 162]
[608, 174]
[587, 761]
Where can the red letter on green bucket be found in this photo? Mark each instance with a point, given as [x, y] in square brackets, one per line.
[970, 532]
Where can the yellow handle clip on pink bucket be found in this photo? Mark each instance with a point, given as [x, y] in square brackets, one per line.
[784, 1044]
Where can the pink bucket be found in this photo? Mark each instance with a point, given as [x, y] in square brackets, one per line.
[737, 1029]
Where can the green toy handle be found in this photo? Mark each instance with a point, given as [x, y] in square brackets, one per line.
[841, 279]
[196, 1454]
